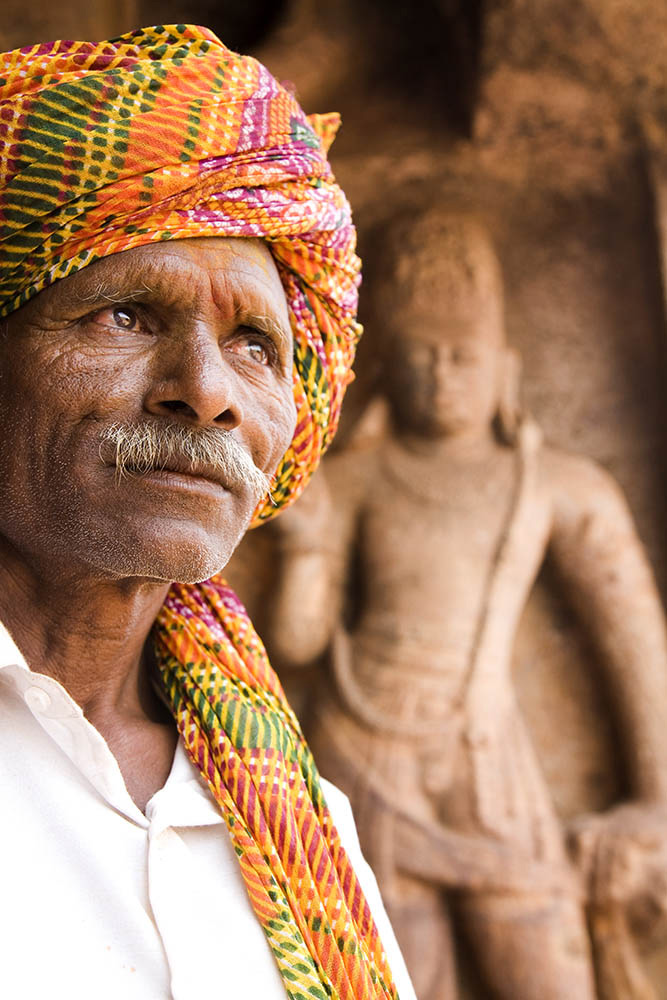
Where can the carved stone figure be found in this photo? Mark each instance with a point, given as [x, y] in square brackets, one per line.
[440, 529]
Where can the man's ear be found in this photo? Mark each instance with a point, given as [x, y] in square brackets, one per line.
[509, 414]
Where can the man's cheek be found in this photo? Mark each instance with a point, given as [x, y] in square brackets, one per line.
[287, 430]
[279, 445]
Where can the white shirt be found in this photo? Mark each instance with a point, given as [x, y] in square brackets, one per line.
[98, 899]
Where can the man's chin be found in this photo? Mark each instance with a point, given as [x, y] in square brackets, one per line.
[180, 563]
[187, 567]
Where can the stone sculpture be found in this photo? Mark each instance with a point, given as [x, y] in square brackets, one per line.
[442, 527]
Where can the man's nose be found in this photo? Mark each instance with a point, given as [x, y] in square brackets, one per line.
[195, 382]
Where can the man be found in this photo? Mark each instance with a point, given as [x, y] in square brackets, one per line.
[450, 517]
[178, 281]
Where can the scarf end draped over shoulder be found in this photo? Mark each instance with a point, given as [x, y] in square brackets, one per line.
[166, 134]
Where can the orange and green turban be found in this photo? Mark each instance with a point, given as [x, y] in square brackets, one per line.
[166, 134]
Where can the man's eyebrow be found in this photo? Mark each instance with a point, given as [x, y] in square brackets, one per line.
[144, 277]
[87, 289]
[107, 291]
[265, 324]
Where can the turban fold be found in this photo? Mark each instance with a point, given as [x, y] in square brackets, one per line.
[162, 134]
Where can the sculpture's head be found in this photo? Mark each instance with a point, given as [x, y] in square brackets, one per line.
[438, 297]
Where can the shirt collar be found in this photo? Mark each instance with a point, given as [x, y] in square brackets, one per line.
[184, 800]
[9, 651]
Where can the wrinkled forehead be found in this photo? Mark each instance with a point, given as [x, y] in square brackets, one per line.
[235, 272]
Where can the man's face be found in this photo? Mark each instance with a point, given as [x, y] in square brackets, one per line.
[444, 360]
[190, 332]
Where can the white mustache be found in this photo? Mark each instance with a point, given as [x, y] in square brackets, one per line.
[214, 454]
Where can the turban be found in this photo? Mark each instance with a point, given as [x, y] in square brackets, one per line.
[161, 134]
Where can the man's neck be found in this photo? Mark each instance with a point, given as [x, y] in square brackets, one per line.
[98, 656]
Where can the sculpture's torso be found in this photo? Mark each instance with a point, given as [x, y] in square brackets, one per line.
[421, 685]
[430, 541]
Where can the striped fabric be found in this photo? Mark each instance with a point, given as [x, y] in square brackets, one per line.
[245, 740]
[161, 134]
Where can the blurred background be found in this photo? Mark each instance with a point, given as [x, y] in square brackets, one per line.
[547, 120]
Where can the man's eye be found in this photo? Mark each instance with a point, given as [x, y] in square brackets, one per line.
[127, 318]
[121, 317]
[258, 347]
[258, 352]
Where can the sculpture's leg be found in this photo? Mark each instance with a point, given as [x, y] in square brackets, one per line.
[423, 929]
[529, 948]
[418, 911]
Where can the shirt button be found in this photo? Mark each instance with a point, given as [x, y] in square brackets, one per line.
[37, 699]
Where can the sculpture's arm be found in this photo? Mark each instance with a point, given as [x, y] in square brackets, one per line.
[300, 623]
[597, 552]
[312, 540]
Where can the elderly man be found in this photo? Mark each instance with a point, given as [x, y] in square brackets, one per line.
[178, 287]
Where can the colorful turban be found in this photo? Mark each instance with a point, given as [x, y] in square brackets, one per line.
[162, 134]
